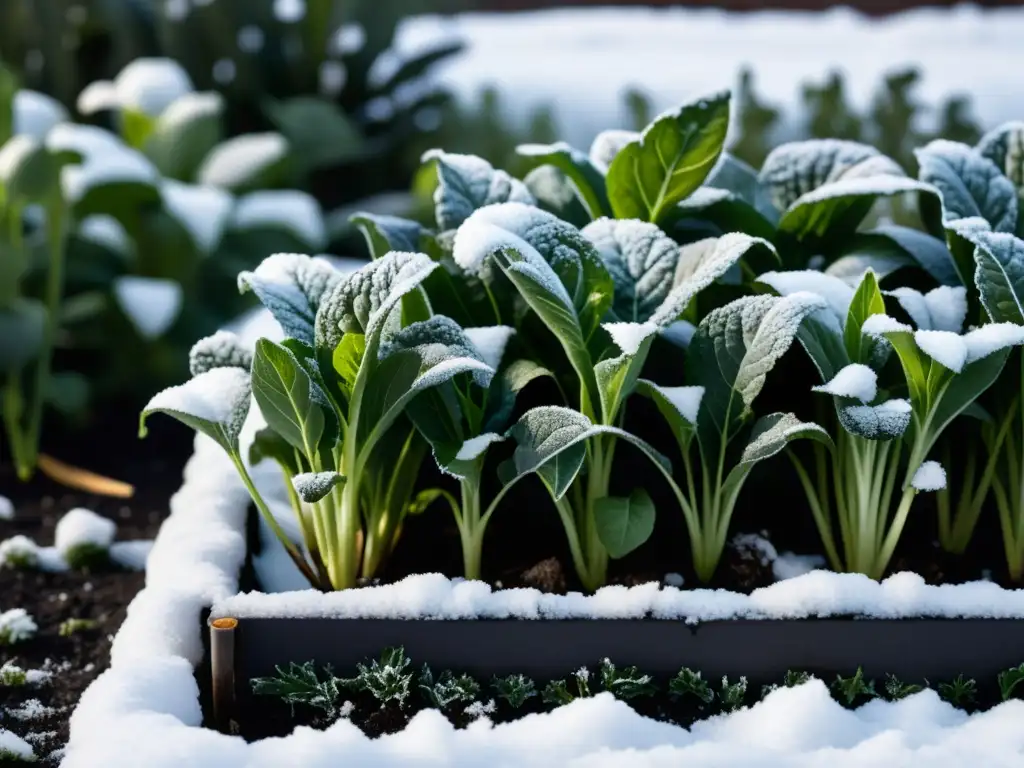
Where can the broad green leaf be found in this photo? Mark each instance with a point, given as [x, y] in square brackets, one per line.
[21, 333]
[970, 184]
[587, 177]
[466, 183]
[679, 407]
[999, 276]
[617, 376]
[136, 126]
[769, 437]
[284, 392]
[929, 252]
[438, 416]
[320, 135]
[867, 301]
[555, 193]
[29, 173]
[347, 359]
[214, 403]
[314, 486]
[641, 260]
[702, 263]
[886, 421]
[669, 160]
[291, 286]
[967, 386]
[623, 524]
[724, 210]
[388, 233]
[185, 134]
[267, 444]
[607, 144]
[246, 162]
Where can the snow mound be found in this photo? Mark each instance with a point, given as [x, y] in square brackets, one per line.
[930, 476]
[6, 508]
[83, 527]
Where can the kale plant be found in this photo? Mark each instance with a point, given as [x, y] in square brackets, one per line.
[626, 683]
[849, 689]
[732, 695]
[960, 692]
[447, 689]
[514, 689]
[300, 684]
[690, 683]
[387, 680]
[557, 692]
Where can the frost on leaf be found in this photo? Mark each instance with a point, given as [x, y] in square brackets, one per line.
[313, 486]
[444, 350]
[855, 380]
[291, 286]
[700, 264]
[970, 184]
[945, 348]
[1004, 146]
[607, 144]
[215, 402]
[879, 325]
[360, 301]
[773, 432]
[838, 293]
[474, 447]
[221, 350]
[930, 476]
[490, 342]
[629, 336]
[794, 169]
[466, 183]
[877, 422]
[641, 260]
[941, 309]
[999, 275]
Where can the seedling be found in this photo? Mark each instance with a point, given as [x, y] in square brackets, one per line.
[557, 692]
[960, 692]
[626, 683]
[849, 689]
[896, 690]
[12, 676]
[447, 689]
[299, 684]
[732, 695]
[514, 689]
[387, 680]
[690, 683]
[16, 626]
[1009, 679]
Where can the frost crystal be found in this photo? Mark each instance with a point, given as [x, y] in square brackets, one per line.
[878, 325]
[629, 336]
[944, 347]
[442, 347]
[836, 292]
[990, 338]
[855, 380]
[930, 476]
[15, 626]
[490, 342]
[221, 350]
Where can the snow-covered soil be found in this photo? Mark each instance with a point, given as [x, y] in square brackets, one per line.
[581, 61]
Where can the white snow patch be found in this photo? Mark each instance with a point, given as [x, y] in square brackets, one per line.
[490, 341]
[16, 625]
[878, 325]
[941, 309]
[19, 550]
[478, 709]
[36, 113]
[149, 85]
[990, 338]
[211, 395]
[287, 208]
[6, 508]
[629, 336]
[674, 580]
[13, 745]
[105, 230]
[789, 565]
[151, 303]
[232, 163]
[836, 292]
[854, 380]
[475, 446]
[202, 211]
[930, 476]
[131, 554]
[946, 348]
[82, 526]
[686, 400]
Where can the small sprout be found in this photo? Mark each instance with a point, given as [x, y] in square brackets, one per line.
[71, 627]
[87, 557]
[690, 683]
[795, 677]
[897, 690]
[1009, 679]
[15, 626]
[515, 689]
[849, 689]
[447, 689]
[960, 693]
[627, 683]
[19, 552]
[557, 692]
[386, 680]
[732, 695]
[299, 684]
[12, 676]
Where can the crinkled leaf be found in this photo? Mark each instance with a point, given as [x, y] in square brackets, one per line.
[623, 524]
[616, 377]
[1004, 146]
[641, 260]
[313, 486]
[770, 435]
[970, 184]
[588, 178]
[222, 349]
[555, 193]
[285, 394]
[999, 275]
[794, 169]
[886, 421]
[466, 183]
[669, 160]
[292, 286]
[388, 233]
[214, 403]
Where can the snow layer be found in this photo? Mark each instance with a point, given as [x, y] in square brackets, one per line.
[930, 476]
[13, 745]
[151, 303]
[855, 380]
[36, 113]
[286, 208]
[580, 62]
[81, 527]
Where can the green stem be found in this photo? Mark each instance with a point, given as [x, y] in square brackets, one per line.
[821, 517]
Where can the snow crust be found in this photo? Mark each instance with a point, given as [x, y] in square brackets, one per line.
[211, 395]
[877, 325]
[941, 309]
[930, 476]
[990, 338]
[151, 303]
[855, 380]
[81, 527]
[944, 347]
[287, 208]
[233, 162]
[105, 230]
[13, 745]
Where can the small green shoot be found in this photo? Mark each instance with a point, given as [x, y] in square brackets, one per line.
[299, 684]
[960, 692]
[627, 683]
[447, 689]
[557, 692]
[515, 689]
[690, 683]
[12, 676]
[732, 694]
[1009, 679]
[849, 689]
[71, 627]
[387, 680]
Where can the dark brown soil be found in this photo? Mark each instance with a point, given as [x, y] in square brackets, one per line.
[154, 467]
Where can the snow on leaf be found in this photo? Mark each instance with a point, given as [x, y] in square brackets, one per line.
[878, 325]
[149, 85]
[106, 231]
[629, 336]
[944, 347]
[16, 625]
[475, 446]
[288, 209]
[313, 486]
[490, 342]
[941, 309]
[642, 261]
[970, 184]
[838, 293]
[34, 113]
[235, 163]
[292, 286]
[772, 433]
[151, 303]
[361, 301]
[991, 338]
[930, 476]
[886, 421]
[444, 351]
[202, 211]
[999, 275]
[1004, 146]
[686, 400]
[222, 349]
[699, 265]
[466, 183]
[607, 144]
[855, 380]
[215, 402]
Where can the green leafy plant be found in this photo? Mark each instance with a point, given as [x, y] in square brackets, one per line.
[387, 680]
[514, 689]
[895, 689]
[12, 676]
[849, 689]
[1009, 679]
[557, 692]
[960, 692]
[626, 683]
[689, 683]
[447, 689]
[300, 684]
[731, 695]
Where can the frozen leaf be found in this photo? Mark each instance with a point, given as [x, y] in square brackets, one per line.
[941, 309]
[770, 436]
[466, 183]
[300, 684]
[388, 233]
[855, 380]
[290, 210]
[215, 403]
[152, 304]
[999, 275]
[490, 342]
[244, 162]
[930, 476]
[877, 422]
[443, 349]
[970, 184]
[313, 486]
[585, 175]
[221, 350]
